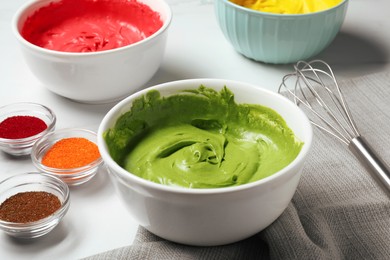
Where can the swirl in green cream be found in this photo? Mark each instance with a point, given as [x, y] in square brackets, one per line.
[201, 139]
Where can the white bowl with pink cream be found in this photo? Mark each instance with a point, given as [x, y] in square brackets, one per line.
[95, 77]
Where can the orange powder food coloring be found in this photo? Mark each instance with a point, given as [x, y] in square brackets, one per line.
[71, 153]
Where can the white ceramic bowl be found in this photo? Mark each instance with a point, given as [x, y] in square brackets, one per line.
[95, 77]
[212, 216]
[278, 38]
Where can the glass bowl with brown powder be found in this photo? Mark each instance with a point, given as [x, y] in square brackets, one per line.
[32, 204]
[70, 154]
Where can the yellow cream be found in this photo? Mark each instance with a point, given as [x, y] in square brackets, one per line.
[288, 6]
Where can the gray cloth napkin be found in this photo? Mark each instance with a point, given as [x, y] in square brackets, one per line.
[337, 212]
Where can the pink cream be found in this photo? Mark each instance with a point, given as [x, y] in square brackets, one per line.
[90, 25]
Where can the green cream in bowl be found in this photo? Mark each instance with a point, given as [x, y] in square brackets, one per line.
[205, 162]
[201, 138]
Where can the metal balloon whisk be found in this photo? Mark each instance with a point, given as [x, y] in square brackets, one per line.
[314, 87]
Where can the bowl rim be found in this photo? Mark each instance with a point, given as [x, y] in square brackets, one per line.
[58, 214]
[182, 190]
[269, 14]
[69, 172]
[26, 140]
[24, 42]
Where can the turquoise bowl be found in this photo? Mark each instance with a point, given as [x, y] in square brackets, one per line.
[278, 38]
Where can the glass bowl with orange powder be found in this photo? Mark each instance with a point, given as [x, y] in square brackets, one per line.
[70, 154]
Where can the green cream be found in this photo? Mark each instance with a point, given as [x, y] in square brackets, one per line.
[201, 139]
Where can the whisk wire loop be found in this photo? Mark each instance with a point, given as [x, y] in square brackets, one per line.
[304, 101]
[318, 91]
[314, 84]
[337, 99]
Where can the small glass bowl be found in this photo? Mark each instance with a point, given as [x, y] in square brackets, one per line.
[23, 146]
[34, 181]
[72, 176]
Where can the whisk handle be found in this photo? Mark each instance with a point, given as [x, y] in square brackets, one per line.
[369, 158]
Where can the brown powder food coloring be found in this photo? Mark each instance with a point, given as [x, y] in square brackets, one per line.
[25, 207]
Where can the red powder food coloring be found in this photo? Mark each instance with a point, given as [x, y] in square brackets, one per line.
[90, 25]
[16, 127]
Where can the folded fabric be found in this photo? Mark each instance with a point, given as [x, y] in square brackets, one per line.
[338, 211]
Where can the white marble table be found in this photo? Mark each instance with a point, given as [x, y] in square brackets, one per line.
[97, 220]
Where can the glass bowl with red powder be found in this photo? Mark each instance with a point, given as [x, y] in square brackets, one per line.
[32, 204]
[22, 124]
[70, 154]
